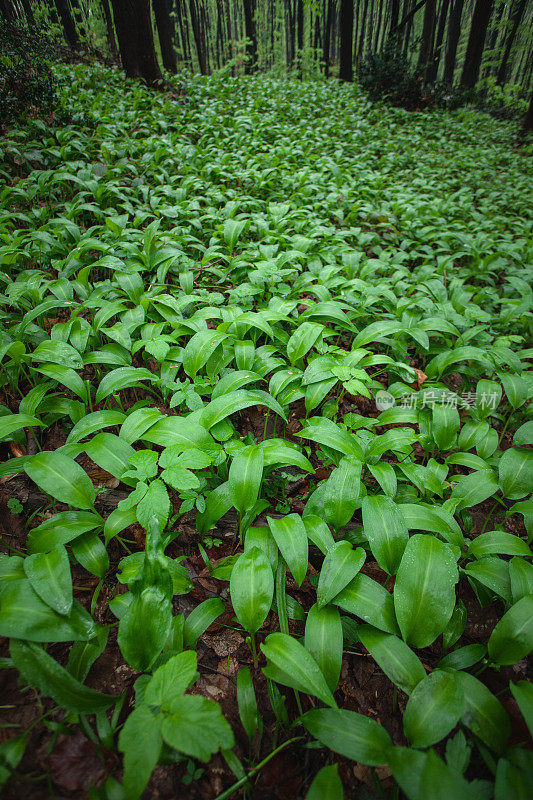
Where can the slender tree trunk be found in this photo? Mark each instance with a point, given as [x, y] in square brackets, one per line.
[476, 42]
[428, 33]
[394, 16]
[493, 34]
[197, 35]
[527, 125]
[327, 37]
[67, 23]
[433, 68]
[290, 34]
[300, 23]
[362, 32]
[164, 31]
[110, 30]
[346, 34]
[249, 27]
[516, 18]
[28, 13]
[454, 31]
[78, 17]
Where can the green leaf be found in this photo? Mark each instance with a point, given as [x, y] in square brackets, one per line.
[24, 615]
[111, 453]
[436, 520]
[245, 478]
[197, 727]
[484, 715]
[498, 542]
[231, 403]
[386, 531]
[340, 566]
[424, 591]
[303, 339]
[318, 533]
[516, 473]
[14, 422]
[89, 551]
[58, 353]
[39, 669]
[342, 492]
[171, 680]
[252, 589]
[470, 490]
[370, 601]
[433, 709]
[199, 350]
[62, 478]
[512, 638]
[144, 628]
[294, 666]
[324, 640]
[248, 710]
[122, 378]
[327, 433]
[523, 694]
[95, 422]
[291, 538]
[200, 618]
[445, 426]
[326, 785]
[141, 741]
[349, 734]
[395, 658]
[49, 575]
[155, 503]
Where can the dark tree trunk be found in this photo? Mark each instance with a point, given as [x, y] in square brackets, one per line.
[394, 16]
[476, 42]
[433, 68]
[327, 37]
[345, 40]
[516, 18]
[67, 23]
[249, 28]
[289, 33]
[110, 30]
[300, 23]
[428, 33]
[184, 31]
[493, 34]
[454, 31]
[164, 31]
[133, 22]
[78, 17]
[527, 125]
[197, 35]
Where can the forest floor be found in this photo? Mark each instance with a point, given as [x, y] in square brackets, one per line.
[352, 215]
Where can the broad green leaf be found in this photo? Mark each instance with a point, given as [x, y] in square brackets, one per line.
[340, 566]
[342, 492]
[318, 533]
[246, 700]
[62, 528]
[323, 639]
[245, 478]
[141, 741]
[523, 694]
[14, 422]
[302, 340]
[155, 503]
[424, 591]
[171, 680]
[491, 542]
[49, 575]
[326, 785]
[231, 403]
[433, 709]
[88, 549]
[24, 615]
[436, 520]
[252, 589]
[470, 490]
[95, 422]
[111, 453]
[395, 658]
[39, 669]
[386, 531]
[445, 426]
[367, 599]
[196, 727]
[291, 537]
[62, 478]
[516, 473]
[292, 662]
[325, 432]
[200, 618]
[199, 349]
[484, 715]
[122, 378]
[351, 735]
[512, 638]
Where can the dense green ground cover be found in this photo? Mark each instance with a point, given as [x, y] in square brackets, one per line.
[265, 383]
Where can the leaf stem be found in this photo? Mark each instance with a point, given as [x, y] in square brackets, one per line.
[256, 769]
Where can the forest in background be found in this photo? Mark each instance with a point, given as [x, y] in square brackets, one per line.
[487, 43]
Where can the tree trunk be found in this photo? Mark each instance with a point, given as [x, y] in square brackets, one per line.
[516, 18]
[454, 31]
[327, 37]
[476, 42]
[195, 25]
[67, 23]
[433, 68]
[164, 31]
[133, 22]
[110, 30]
[249, 28]
[346, 33]
[527, 125]
[300, 23]
[362, 32]
[394, 16]
[428, 34]
[28, 13]
[78, 17]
